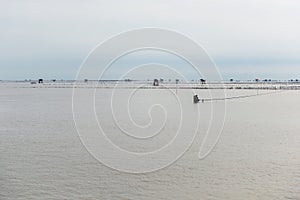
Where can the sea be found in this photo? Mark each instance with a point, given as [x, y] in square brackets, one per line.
[254, 152]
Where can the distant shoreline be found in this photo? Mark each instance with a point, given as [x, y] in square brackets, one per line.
[148, 85]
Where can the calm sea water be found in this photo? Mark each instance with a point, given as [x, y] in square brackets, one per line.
[41, 156]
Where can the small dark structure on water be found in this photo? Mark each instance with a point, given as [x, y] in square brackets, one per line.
[203, 81]
[41, 80]
[196, 99]
[155, 82]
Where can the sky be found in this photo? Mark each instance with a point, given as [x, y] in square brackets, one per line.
[246, 39]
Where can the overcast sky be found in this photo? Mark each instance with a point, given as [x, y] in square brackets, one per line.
[246, 39]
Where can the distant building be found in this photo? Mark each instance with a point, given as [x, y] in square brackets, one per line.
[155, 82]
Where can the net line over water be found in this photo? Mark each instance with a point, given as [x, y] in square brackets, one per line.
[238, 97]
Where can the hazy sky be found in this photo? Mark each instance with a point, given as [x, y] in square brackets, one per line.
[246, 39]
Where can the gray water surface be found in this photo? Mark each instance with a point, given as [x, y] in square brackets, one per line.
[41, 156]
